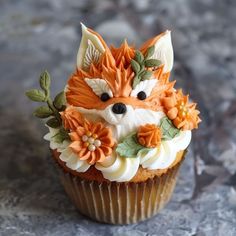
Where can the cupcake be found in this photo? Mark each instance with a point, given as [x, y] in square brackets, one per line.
[119, 130]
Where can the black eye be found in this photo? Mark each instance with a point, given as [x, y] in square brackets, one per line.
[141, 95]
[104, 97]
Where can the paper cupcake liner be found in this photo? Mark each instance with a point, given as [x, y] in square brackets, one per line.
[120, 203]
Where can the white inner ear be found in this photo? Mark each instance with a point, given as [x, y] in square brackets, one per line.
[92, 55]
[145, 86]
[90, 49]
[99, 86]
[164, 51]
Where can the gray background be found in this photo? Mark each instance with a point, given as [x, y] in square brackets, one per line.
[38, 35]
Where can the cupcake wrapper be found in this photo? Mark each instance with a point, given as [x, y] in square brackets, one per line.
[120, 203]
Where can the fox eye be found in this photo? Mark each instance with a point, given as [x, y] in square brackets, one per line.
[104, 97]
[141, 95]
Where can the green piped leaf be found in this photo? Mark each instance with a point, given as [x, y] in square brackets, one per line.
[135, 66]
[140, 64]
[136, 81]
[60, 100]
[129, 147]
[150, 52]
[146, 75]
[152, 63]
[43, 112]
[45, 81]
[139, 57]
[53, 123]
[169, 131]
[36, 95]
[61, 136]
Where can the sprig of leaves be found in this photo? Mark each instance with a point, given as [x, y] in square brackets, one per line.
[130, 147]
[141, 62]
[169, 131]
[52, 108]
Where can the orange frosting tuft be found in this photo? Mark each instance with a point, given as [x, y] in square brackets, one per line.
[149, 135]
[72, 118]
[120, 83]
[123, 55]
[182, 113]
[90, 141]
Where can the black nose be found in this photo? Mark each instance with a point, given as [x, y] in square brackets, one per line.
[119, 108]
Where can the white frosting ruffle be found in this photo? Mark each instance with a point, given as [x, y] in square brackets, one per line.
[164, 156]
[53, 144]
[121, 169]
[72, 161]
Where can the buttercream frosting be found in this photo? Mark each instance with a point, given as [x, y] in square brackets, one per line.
[96, 128]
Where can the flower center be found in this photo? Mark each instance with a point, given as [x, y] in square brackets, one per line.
[90, 141]
[183, 110]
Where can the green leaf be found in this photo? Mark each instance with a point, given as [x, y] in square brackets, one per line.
[60, 100]
[136, 81]
[169, 131]
[61, 136]
[45, 81]
[150, 52]
[36, 95]
[129, 147]
[143, 151]
[135, 66]
[152, 62]
[53, 123]
[139, 57]
[146, 75]
[43, 112]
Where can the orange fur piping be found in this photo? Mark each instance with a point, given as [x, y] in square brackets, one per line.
[114, 67]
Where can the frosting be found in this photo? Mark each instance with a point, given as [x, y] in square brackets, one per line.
[72, 161]
[180, 111]
[91, 48]
[122, 111]
[123, 169]
[149, 135]
[91, 141]
[53, 143]
[163, 49]
[145, 86]
[163, 157]
[118, 168]
[123, 124]
[99, 86]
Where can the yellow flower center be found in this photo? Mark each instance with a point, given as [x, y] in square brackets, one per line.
[90, 141]
[183, 110]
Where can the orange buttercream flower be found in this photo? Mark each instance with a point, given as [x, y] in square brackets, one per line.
[149, 135]
[72, 118]
[93, 142]
[90, 141]
[182, 113]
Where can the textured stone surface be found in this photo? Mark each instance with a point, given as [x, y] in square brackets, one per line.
[35, 35]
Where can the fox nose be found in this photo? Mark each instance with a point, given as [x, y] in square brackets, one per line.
[119, 108]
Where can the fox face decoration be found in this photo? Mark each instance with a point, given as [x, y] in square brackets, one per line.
[102, 86]
[119, 111]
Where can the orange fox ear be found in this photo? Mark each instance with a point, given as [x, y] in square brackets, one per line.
[92, 46]
[163, 49]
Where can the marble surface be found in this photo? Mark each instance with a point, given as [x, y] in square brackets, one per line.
[38, 35]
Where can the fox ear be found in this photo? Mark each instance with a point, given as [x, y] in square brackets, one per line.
[163, 49]
[92, 46]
